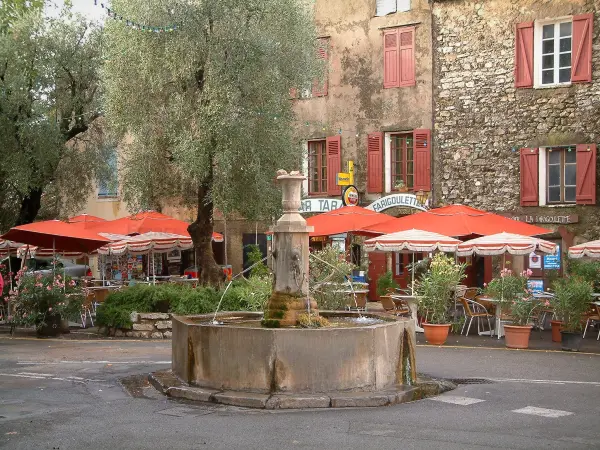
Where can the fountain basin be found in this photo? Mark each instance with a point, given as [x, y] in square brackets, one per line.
[238, 356]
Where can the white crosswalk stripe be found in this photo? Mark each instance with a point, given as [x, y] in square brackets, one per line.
[543, 412]
[457, 400]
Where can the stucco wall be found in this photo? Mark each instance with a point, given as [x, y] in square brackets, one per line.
[480, 117]
[357, 104]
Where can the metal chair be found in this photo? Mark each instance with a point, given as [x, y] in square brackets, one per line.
[474, 310]
[594, 318]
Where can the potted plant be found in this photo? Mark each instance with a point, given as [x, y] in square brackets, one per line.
[521, 310]
[44, 301]
[572, 297]
[386, 283]
[435, 290]
[400, 186]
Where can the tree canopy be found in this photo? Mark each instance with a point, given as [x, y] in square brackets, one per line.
[207, 106]
[49, 95]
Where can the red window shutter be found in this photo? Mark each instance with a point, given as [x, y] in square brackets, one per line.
[422, 160]
[391, 52]
[334, 164]
[581, 69]
[524, 55]
[320, 86]
[407, 56]
[586, 175]
[529, 177]
[375, 163]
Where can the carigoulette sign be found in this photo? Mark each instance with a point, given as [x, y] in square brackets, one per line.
[394, 200]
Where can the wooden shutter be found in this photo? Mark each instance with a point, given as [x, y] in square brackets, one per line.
[321, 85]
[586, 175]
[529, 177]
[581, 69]
[391, 50]
[375, 163]
[524, 55]
[422, 160]
[407, 56]
[334, 164]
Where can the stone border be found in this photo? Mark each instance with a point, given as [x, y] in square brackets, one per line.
[171, 386]
[145, 325]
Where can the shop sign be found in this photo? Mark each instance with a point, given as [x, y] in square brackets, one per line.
[552, 261]
[319, 205]
[394, 200]
[535, 261]
[350, 196]
[555, 219]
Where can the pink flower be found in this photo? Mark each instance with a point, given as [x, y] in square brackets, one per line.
[39, 285]
[529, 272]
[72, 283]
[49, 288]
[484, 284]
[546, 303]
[50, 309]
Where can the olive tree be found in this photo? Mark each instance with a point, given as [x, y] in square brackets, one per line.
[204, 111]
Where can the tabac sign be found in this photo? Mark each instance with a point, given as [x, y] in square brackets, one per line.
[319, 205]
[394, 200]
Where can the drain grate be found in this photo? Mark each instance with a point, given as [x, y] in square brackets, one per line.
[471, 381]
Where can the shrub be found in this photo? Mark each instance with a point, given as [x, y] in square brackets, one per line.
[571, 301]
[587, 270]
[386, 282]
[329, 275]
[255, 256]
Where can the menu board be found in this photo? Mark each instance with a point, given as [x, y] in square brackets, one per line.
[552, 262]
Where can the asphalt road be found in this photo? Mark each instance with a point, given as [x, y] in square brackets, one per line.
[68, 395]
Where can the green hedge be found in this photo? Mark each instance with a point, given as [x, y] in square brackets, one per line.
[245, 295]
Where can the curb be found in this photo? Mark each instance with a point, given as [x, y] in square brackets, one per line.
[168, 384]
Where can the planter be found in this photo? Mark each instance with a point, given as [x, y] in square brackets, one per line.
[52, 326]
[517, 336]
[556, 328]
[64, 326]
[571, 341]
[436, 334]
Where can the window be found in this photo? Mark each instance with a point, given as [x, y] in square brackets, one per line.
[399, 57]
[385, 7]
[320, 85]
[402, 161]
[108, 185]
[317, 167]
[554, 52]
[399, 257]
[558, 175]
[561, 175]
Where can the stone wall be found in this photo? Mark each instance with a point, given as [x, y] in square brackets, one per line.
[481, 120]
[145, 325]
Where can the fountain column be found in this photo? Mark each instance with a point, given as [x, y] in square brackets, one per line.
[290, 242]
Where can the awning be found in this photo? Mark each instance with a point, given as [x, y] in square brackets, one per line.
[348, 219]
[501, 243]
[590, 249]
[411, 241]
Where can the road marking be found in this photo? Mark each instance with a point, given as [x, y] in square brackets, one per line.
[46, 376]
[457, 400]
[558, 382]
[49, 363]
[543, 412]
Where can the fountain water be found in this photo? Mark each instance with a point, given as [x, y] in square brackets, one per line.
[231, 352]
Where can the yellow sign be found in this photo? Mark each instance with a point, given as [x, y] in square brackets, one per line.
[346, 178]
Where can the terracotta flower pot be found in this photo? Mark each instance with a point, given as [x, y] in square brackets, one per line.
[436, 334]
[556, 327]
[517, 336]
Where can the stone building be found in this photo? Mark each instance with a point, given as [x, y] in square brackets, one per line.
[517, 110]
[374, 106]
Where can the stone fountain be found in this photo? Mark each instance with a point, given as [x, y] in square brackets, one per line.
[246, 359]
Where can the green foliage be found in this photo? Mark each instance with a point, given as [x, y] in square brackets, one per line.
[255, 256]
[436, 287]
[48, 96]
[36, 297]
[329, 273]
[245, 295]
[522, 309]
[306, 320]
[588, 270]
[571, 301]
[13, 10]
[207, 106]
[508, 287]
[385, 283]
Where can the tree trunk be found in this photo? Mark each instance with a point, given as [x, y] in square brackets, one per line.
[201, 231]
[30, 206]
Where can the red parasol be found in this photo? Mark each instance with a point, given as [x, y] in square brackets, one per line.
[457, 221]
[347, 219]
[56, 235]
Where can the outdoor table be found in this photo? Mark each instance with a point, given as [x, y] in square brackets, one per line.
[411, 300]
[498, 327]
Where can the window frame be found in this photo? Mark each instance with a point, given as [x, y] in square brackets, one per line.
[405, 161]
[406, 5]
[563, 167]
[322, 181]
[537, 52]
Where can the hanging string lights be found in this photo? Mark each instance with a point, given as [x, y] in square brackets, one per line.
[133, 23]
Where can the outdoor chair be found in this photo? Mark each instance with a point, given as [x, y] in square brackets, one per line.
[358, 303]
[397, 308]
[474, 310]
[593, 318]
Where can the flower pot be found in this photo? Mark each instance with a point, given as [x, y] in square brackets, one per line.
[556, 327]
[571, 341]
[64, 326]
[51, 327]
[517, 336]
[436, 334]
